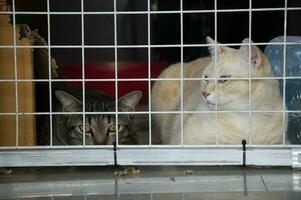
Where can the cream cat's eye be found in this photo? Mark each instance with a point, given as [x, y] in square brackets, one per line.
[205, 76]
[224, 80]
[87, 129]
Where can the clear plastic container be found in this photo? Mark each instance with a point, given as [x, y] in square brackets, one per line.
[275, 53]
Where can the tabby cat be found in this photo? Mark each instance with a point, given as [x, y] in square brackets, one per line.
[99, 129]
[225, 94]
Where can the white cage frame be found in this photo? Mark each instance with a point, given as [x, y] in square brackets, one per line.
[271, 155]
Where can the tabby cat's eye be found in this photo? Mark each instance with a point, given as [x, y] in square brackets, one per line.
[223, 78]
[112, 128]
[87, 129]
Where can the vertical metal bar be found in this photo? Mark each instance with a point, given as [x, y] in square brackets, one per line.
[83, 71]
[116, 72]
[250, 73]
[182, 92]
[16, 73]
[149, 75]
[215, 69]
[49, 73]
[284, 73]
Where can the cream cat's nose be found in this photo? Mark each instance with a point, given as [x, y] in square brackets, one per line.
[205, 94]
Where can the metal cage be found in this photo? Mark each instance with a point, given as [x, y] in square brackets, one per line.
[147, 154]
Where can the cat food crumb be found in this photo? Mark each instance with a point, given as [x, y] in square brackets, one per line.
[128, 170]
[172, 178]
[188, 171]
[121, 173]
[135, 171]
[6, 171]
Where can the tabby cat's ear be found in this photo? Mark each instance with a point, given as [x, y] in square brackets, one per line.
[256, 54]
[69, 102]
[130, 100]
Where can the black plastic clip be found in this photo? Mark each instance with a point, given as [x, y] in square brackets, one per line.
[244, 142]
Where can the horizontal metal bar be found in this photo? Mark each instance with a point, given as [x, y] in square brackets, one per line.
[154, 146]
[148, 112]
[146, 79]
[151, 45]
[213, 146]
[204, 156]
[261, 156]
[146, 12]
[269, 157]
[296, 158]
[55, 157]
[179, 157]
[56, 147]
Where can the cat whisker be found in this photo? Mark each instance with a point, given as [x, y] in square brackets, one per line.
[219, 98]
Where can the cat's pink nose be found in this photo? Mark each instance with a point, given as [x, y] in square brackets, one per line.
[205, 94]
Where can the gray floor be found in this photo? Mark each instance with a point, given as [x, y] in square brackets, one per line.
[153, 183]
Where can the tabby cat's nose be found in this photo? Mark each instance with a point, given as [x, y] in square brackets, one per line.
[205, 94]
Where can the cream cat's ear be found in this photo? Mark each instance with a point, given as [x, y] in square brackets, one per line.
[211, 49]
[256, 54]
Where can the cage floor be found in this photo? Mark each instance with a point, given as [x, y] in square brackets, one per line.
[151, 183]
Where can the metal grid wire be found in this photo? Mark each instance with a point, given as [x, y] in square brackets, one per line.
[282, 148]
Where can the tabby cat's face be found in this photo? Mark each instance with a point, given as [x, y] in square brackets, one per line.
[231, 63]
[99, 129]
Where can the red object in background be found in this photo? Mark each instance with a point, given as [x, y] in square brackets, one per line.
[106, 70]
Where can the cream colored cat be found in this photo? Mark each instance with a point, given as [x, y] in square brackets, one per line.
[230, 95]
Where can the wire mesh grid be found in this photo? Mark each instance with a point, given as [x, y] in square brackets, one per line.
[129, 149]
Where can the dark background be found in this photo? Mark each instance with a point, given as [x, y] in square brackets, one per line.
[232, 27]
